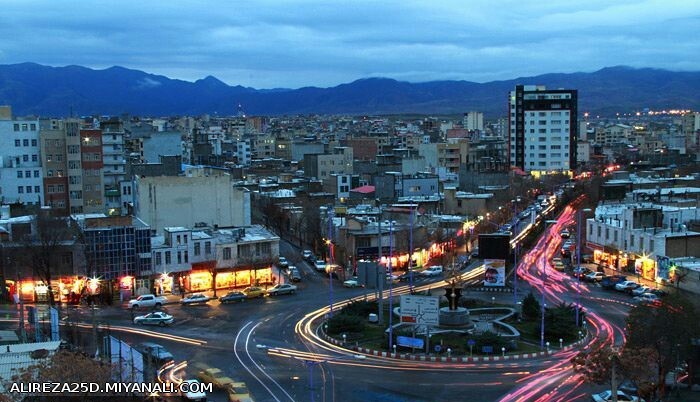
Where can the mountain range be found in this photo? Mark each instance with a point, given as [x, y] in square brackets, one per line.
[34, 89]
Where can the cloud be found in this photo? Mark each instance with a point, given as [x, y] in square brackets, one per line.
[296, 43]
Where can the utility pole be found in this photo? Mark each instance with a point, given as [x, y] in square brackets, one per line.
[380, 299]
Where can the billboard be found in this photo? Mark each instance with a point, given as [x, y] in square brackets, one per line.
[494, 245]
[494, 272]
[420, 310]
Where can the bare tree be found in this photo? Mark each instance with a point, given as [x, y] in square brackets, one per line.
[43, 249]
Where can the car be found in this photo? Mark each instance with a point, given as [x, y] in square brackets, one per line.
[406, 277]
[434, 270]
[565, 234]
[294, 275]
[606, 396]
[594, 277]
[193, 391]
[647, 298]
[580, 272]
[155, 318]
[352, 282]
[557, 264]
[282, 289]
[320, 265]
[392, 277]
[195, 298]
[238, 392]
[147, 301]
[215, 377]
[659, 292]
[306, 254]
[475, 253]
[609, 282]
[626, 286]
[231, 297]
[254, 291]
[640, 290]
[282, 263]
[290, 268]
[154, 352]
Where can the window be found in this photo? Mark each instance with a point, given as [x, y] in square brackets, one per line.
[197, 248]
[49, 173]
[52, 189]
[207, 248]
[178, 239]
[73, 149]
[27, 173]
[187, 257]
[158, 259]
[61, 188]
[599, 231]
[34, 143]
[49, 158]
[179, 257]
[227, 253]
[651, 245]
[59, 157]
[631, 241]
[607, 233]
[25, 127]
[37, 189]
[615, 235]
[16, 127]
[167, 258]
[18, 142]
[19, 174]
[184, 237]
[25, 158]
[20, 190]
[25, 142]
[35, 158]
[29, 189]
[32, 127]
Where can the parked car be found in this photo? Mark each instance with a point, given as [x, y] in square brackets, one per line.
[406, 277]
[609, 282]
[565, 234]
[238, 392]
[147, 301]
[195, 298]
[434, 270]
[283, 263]
[231, 297]
[659, 292]
[320, 266]
[282, 289]
[640, 290]
[306, 255]
[155, 318]
[594, 277]
[215, 377]
[154, 351]
[606, 396]
[626, 286]
[647, 298]
[191, 395]
[294, 275]
[352, 282]
[580, 272]
[254, 291]
[557, 264]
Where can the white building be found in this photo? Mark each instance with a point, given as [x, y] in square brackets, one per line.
[474, 121]
[114, 165]
[201, 196]
[20, 161]
[543, 125]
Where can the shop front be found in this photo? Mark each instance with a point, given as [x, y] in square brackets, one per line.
[226, 278]
[612, 259]
[645, 267]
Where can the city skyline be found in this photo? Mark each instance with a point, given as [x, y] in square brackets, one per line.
[309, 43]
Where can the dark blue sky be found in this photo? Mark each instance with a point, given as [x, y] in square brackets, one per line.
[294, 43]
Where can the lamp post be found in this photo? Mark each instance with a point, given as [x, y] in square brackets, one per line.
[514, 229]
[391, 281]
[380, 298]
[544, 280]
[410, 253]
[578, 263]
[330, 261]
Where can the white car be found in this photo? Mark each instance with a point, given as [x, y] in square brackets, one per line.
[594, 277]
[306, 254]
[155, 318]
[320, 265]
[626, 286]
[646, 298]
[282, 289]
[606, 396]
[194, 392]
[434, 270]
[196, 298]
[352, 283]
[641, 290]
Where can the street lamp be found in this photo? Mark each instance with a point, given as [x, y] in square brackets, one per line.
[544, 279]
[578, 263]
[391, 281]
[547, 346]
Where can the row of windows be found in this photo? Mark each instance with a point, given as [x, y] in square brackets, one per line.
[56, 158]
[56, 188]
[552, 155]
[25, 143]
[27, 174]
[21, 189]
[53, 143]
[24, 127]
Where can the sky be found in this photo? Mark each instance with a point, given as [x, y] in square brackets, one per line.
[297, 43]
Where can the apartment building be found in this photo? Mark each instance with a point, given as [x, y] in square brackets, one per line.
[21, 176]
[543, 125]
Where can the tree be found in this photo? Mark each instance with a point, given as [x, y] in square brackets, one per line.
[44, 248]
[560, 321]
[531, 307]
[63, 367]
[667, 328]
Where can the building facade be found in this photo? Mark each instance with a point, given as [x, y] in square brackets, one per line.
[21, 176]
[543, 125]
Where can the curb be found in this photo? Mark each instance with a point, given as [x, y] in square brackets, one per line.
[462, 359]
[485, 289]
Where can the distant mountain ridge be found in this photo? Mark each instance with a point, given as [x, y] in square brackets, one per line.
[57, 91]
